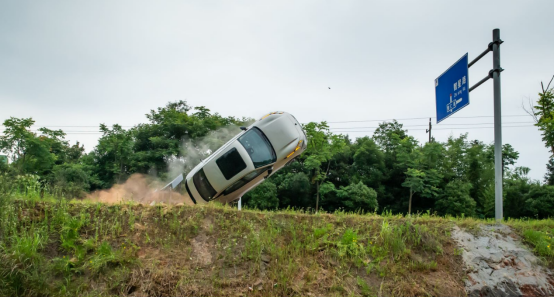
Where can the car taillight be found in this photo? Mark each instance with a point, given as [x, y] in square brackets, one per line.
[275, 112]
[298, 146]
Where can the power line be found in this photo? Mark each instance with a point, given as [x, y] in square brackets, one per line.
[79, 126]
[408, 119]
[398, 119]
[336, 128]
[457, 124]
[344, 131]
[348, 128]
[486, 127]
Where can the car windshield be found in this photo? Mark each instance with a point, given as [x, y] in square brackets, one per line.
[258, 147]
[243, 181]
[203, 185]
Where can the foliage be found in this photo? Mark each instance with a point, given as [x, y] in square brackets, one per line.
[543, 113]
[322, 146]
[389, 171]
[354, 197]
[539, 201]
[263, 196]
[358, 197]
[543, 242]
[414, 181]
[70, 180]
[456, 200]
[538, 233]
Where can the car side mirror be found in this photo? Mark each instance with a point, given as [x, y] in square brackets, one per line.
[243, 128]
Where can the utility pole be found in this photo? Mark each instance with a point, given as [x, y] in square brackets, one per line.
[429, 130]
[498, 213]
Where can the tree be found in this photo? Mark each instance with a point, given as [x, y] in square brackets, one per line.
[417, 163]
[358, 197]
[509, 155]
[32, 153]
[543, 114]
[264, 196]
[539, 201]
[368, 162]
[354, 197]
[456, 200]
[293, 189]
[72, 180]
[322, 146]
[516, 187]
[480, 173]
[414, 181]
[388, 134]
[111, 157]
[396, 146]
[17, 139]
[455, 165]
[174, 133]
[549, 176]
[329, 199]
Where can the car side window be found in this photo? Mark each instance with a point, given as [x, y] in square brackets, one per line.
[258, 147]
[246, 179]
[231, 163]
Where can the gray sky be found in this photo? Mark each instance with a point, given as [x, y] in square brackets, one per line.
[76, 63]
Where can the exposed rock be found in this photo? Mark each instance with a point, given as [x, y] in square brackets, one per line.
[498, 265]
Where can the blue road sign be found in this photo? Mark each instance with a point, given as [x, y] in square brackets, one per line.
[452, 89]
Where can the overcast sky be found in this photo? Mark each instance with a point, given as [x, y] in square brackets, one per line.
[77, 63]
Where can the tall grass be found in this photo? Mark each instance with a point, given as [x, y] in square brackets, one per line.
[539, 234]
[55, 246]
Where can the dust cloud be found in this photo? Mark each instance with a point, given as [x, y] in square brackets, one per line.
[142, 189]
[193, 151]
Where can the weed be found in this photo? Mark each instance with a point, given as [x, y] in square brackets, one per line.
[365, 290]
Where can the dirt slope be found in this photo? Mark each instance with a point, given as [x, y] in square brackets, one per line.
[61, 249]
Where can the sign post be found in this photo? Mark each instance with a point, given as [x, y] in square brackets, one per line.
[452, 94]
[498, 210]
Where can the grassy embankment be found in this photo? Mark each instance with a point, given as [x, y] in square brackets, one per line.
[59, 248]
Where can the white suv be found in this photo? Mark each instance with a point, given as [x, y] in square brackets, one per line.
[246, 160]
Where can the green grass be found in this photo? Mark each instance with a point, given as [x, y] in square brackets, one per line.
[56, 247]
[539, 234]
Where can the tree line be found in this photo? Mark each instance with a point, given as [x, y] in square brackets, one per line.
[389, 171]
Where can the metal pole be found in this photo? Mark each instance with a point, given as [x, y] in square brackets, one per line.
[479, 83]
[240, 203]
[497, 126]
[429, 130]
[479, 57]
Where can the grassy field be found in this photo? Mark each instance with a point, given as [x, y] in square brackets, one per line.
[52, 247]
